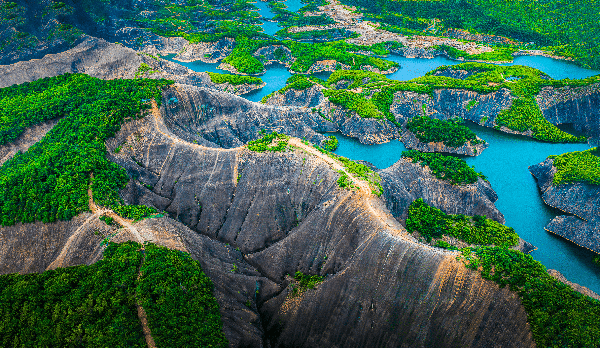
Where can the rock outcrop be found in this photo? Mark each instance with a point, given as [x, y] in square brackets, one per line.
[579, 106]
[580, 200]
[405, 181]
[452, 103]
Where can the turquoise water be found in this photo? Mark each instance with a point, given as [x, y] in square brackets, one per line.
[411, 68]
[271, 28]
[275, 77]
[197, 65]
[557, 69]
[506, 163]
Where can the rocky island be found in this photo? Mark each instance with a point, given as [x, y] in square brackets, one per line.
[144, 202]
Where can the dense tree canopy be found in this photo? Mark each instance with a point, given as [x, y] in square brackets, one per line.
[49, 182]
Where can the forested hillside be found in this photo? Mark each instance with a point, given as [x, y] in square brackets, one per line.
[95, 306]
[567, 27]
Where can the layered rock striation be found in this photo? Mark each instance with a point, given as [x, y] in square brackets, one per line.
[581, 201]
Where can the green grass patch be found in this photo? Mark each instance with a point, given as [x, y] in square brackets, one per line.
[357, 169]
[452, 133]
[144, 69]
[578, 166]
[95, 306]
[234, 80]
[50, 180]
[304, 282]
[449, 168]
[431, 222]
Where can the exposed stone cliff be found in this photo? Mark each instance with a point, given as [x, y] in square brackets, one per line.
[411, 141]
[582, 200]
[105, 60]
[406, 181]
[579, 106]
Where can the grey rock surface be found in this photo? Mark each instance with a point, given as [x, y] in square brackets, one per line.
[580, 200]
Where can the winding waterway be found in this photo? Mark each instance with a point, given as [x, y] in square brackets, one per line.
[505, 162]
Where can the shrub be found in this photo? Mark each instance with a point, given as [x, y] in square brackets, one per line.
[273, 142]
[330, 143]
[452, 169]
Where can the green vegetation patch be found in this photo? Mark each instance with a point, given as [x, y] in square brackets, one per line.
[306, 54]
[330, 143]
[234, 80]
[49, 182]
[273, 142]
[95, 306]
[297, 82]
[304, 282]
[558, 315]
[353, 101]
[453, 169]
[578, 166]
[431, 222]
[499, 54]
[144, 69]
[178, 299]
[524, 115]
[324, 35]
[452, 133]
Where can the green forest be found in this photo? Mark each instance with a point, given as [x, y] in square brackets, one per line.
[578, 166]
[449, 168]
[49, 182]
[431, 222]
[566, 27]
[95, 306]
[559, 316]
[451, 132]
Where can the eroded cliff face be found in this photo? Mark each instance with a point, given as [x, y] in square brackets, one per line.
[452, 103]
[406, 181]
[579, 106]
[582, 200]
[285, 213]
